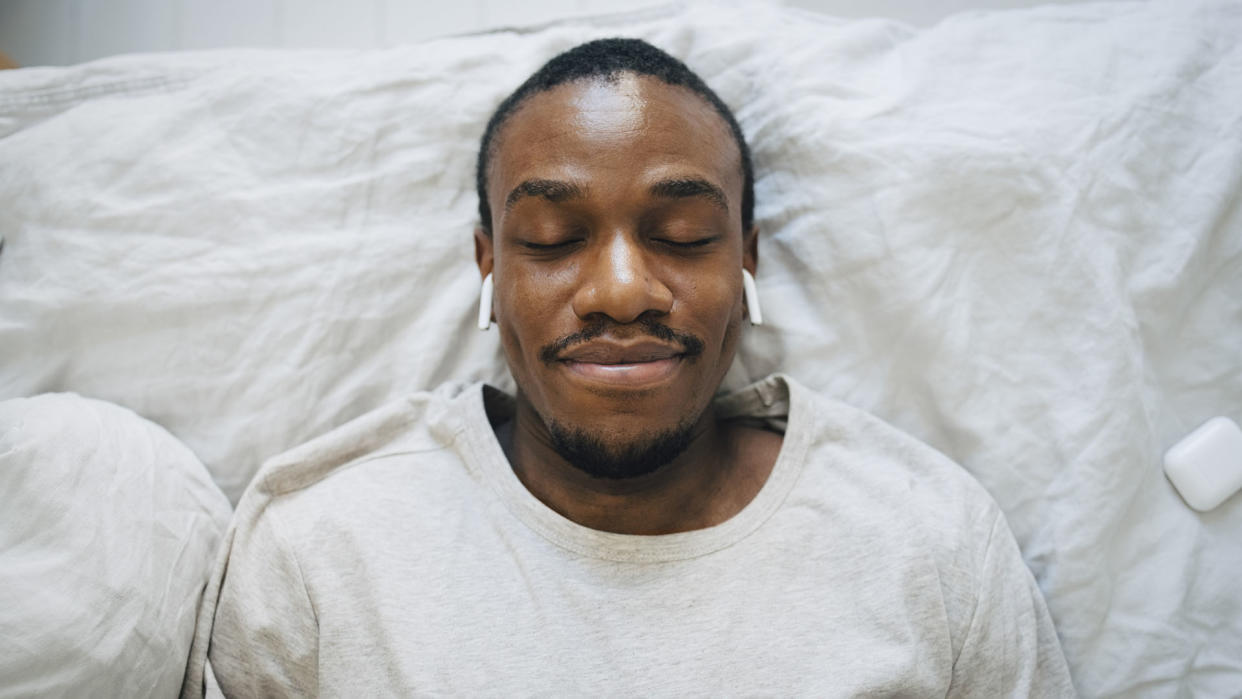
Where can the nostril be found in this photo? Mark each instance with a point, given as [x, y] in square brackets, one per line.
[622, 302]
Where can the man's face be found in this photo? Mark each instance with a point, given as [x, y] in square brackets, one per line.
[617, 254]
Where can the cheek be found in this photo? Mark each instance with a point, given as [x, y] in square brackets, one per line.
[729, 340]
[519, 348]
[728, 344]
[513, 315]
[529, 311]
[713, 304]
[532, 294]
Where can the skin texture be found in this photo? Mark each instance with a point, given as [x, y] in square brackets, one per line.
[617, 206]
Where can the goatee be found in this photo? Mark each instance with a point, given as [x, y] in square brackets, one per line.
[589, 454]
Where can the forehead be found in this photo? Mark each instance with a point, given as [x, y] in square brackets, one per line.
[631, 126]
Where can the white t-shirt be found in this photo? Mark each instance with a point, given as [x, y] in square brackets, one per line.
[400, 555]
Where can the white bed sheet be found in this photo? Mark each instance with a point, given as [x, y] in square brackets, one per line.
[1015, 235]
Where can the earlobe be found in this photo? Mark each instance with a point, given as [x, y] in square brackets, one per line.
[751, 293]
[485, 302]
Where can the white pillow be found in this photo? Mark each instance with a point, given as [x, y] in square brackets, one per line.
[110, 526]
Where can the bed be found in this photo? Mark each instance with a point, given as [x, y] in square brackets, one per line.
[1016, 235]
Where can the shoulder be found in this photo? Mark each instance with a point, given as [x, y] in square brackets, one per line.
[853, 451]
[884, 485]
[362, 456]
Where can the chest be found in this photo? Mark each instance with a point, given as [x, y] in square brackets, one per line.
[492, 611]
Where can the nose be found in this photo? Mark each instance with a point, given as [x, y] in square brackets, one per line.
[617, 281]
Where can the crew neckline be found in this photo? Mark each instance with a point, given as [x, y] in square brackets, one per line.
[772, 398]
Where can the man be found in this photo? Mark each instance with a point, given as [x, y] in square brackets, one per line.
[616, 527]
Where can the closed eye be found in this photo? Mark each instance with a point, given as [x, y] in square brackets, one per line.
[688, 244]
[548, 247]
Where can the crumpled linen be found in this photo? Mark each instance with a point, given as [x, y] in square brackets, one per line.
[1013, 234]
[110, 526]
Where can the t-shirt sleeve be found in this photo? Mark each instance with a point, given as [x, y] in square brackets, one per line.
[264, 639]
[1011, 647]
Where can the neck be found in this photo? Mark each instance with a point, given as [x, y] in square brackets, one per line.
[713, 479]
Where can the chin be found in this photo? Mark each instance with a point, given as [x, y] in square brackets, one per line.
[616, 457]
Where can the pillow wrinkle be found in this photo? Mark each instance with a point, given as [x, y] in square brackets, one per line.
[110, 530]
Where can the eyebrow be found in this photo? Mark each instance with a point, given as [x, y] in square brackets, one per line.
[689, 187]
[552, 190]
[672, 188]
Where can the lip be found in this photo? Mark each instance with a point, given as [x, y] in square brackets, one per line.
[617, 353]
[635, 374]
[634, 364]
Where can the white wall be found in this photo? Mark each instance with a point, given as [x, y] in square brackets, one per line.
[61, 32]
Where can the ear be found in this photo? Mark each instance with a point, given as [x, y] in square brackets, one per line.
[483, 251]
[750, 249]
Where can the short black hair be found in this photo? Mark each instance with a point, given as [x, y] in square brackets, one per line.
[607, 59]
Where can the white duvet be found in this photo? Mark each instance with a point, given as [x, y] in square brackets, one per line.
[1016, 235]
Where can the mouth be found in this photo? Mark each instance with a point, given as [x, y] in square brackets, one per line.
[630, 374]
[637, 364]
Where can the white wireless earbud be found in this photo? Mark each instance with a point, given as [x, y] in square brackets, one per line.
[485, 302]
[751, 294]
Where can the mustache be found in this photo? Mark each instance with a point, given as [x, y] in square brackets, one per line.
[691, 346]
